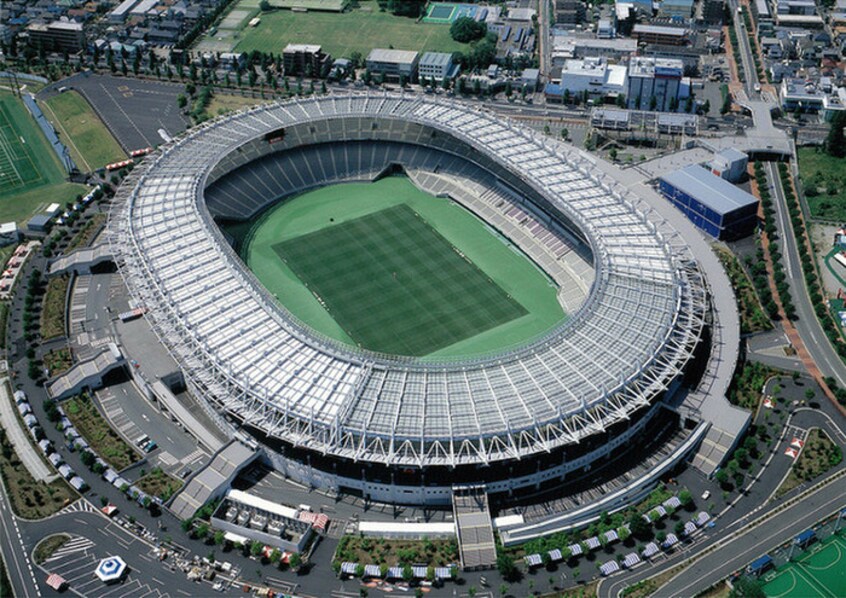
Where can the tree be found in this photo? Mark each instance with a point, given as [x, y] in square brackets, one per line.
[181, 100]
[685, 497]
[565, 133]
[295, 560]
[722, 477]
[264, 5]
[406, 8]
[506, 567]
[466, 29]
[256, 547]
[835, 142]
[612, 153]
[407, 573]
[219, 537]
[639, 527]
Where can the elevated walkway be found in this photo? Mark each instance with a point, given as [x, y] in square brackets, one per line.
[86, 374]
[476, 545]
[214, 440]
[213, 480]
[81, 261]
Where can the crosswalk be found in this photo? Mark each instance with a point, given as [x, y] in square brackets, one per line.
[74, 545]
[79, 506]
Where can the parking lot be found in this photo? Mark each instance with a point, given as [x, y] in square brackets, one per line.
[76, 561]
[134, 110]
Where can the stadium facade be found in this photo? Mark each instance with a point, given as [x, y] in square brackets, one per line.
[397, 428]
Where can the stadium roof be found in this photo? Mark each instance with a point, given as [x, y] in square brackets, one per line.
[709, 189]
[612, 358]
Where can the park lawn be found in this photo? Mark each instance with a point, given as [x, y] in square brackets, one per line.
[58, 361]
[752, 315]
[341, 34]
[379, 551]
[158, 483]
[745, 389]
[53, 310]
[87, 233]
[221, 103]
[90, 142]
[20, 207]
[48, 546]
[30, 499]
[104, 441]
[824, 180]
[818, 456]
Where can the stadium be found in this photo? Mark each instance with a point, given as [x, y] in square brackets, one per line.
[405, 422]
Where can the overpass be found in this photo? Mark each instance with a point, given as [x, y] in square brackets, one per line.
[82, 261]
[87, 374]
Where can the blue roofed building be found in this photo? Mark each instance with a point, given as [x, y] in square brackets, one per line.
[714, 205]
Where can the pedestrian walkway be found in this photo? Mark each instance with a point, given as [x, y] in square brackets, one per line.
[16, 434]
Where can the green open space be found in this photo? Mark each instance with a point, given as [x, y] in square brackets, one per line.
[90, 142]
[824, 181]
[821, 571]
[444, 240]
[104, 440]
[30, 173]
[329, 5]
[341, 34]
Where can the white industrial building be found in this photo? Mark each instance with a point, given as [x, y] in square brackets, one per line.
[658, 78]
[594, 75]
[393, 64]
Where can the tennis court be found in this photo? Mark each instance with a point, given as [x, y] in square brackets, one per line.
[447, 12]
[821, 571]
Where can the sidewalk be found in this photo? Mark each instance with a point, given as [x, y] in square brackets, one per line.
[18, 436]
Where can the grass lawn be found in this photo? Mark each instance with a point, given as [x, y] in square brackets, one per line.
[459, 288]
[379, 551]
[48, 546]
[818, 456]
[53, 311]
[158, 483]
[752, 316]
[31, 175]
[824, 180]
[103, 439]
[341, 34]
[222, 103]
[18, 207]
[90, 142]
[31, 499]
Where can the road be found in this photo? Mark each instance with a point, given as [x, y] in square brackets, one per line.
[808, 326]
[544, 45]
[745, 51]
[756, 530]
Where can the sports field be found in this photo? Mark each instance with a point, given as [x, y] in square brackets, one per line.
[30, 173]
[390, 268]
[341, 34]
[447, 12]
[90, 142]
[25, 160]
[820, 572]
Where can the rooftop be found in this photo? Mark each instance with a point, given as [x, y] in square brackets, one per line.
[383, 55]
[709, 189]
[436, 59]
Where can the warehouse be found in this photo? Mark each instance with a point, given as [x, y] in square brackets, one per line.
[711, 203]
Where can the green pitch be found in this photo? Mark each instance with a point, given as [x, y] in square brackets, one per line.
[31, 175]
[25, 161]
[819, 572]
[397, 286]
[390, 268]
